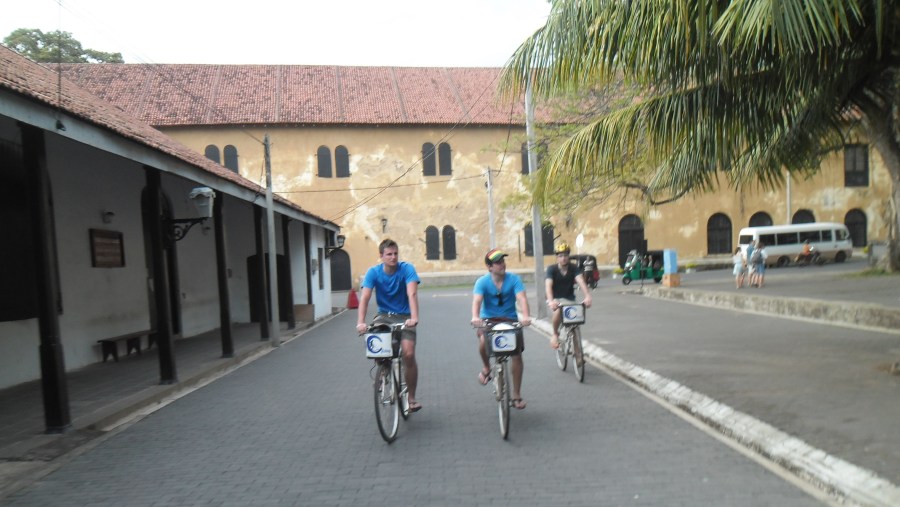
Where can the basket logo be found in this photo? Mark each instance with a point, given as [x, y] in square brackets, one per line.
[374, 343]
[501, 341]
[571, 313]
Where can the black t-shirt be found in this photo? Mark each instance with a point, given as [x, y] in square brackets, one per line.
[563, 285]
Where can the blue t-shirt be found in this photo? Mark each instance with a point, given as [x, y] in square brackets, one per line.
[490, 305]
[390, 290]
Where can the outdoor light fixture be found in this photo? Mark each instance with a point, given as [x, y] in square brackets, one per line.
[202, 197]
[339, 243]
[383, 224]
[107, 216]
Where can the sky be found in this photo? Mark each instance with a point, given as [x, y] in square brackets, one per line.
[407, 33]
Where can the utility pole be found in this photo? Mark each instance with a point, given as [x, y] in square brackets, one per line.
[490, 191]
[273, 266]
[537, 233]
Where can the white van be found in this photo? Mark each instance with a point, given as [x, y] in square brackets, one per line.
[785, 242]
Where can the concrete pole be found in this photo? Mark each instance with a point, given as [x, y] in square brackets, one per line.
[490, 189]
[273, 261]
[537, 233]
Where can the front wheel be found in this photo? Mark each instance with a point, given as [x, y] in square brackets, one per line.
[387, 406]
[562, 352]
[501, 384]
[578, 359]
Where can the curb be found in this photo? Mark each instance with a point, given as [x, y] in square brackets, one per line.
[827, 472]
[870, 317]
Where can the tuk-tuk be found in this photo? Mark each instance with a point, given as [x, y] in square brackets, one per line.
[588, 265]
[643, 266]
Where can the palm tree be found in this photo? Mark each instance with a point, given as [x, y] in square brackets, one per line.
[737, 90]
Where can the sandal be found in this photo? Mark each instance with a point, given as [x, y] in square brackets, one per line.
[484, 377]
[414, 406]
[518, 403]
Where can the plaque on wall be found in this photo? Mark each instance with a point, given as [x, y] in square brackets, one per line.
[107, 249]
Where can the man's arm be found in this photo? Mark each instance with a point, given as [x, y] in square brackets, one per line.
[548, 291]
[412, 292]
[476, 309]
[365, 295]
[522, 300]
[579, 279]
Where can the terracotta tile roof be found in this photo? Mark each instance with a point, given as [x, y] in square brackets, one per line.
[173, 95]
[39, 83]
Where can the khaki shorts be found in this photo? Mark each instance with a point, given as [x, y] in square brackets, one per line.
[396, 318]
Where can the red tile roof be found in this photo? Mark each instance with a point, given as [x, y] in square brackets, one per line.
[176, 95]
[40, 83]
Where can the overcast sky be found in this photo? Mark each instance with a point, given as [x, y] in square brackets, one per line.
[421, 33]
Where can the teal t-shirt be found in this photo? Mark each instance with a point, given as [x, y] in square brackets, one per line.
[390, 290]
[500, 303]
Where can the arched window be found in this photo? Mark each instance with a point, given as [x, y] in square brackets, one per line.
[212, 152]
[428, 164]
[760, 219]
[803, 216]
[718, 234]
[432, 246]
[449, 240]
[856, 165]
[324, 156]
[231, 158]
[341, 162]
[445, 158]
[856, 222]
[546, 239]
[525, 158]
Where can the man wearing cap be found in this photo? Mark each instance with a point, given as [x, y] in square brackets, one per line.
[494, 297]
[560, 288]
[396, 286]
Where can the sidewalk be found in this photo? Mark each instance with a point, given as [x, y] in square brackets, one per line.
[103, 395]
[778, 387]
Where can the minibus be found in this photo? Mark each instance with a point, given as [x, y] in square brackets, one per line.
[785, 242]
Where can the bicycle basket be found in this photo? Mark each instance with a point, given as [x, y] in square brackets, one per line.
[573, 314]
[381, 343]
[502, 339]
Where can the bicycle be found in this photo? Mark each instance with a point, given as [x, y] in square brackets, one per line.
[391, 395]
[501, 341]
[570, 339]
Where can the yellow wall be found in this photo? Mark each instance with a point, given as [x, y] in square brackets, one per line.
[379, 156]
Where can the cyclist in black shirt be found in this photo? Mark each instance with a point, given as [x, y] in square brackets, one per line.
[560, 287]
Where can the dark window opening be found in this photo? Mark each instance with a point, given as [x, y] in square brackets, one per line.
[212, 152]
[432, 246]
[445, 158]
[856, 165]
[231, 158]
[342, 162]
[718, 234]
[324, 156]
[449, 240]
[803, 216]
[428, 163]
[547, 234]
[760, 219]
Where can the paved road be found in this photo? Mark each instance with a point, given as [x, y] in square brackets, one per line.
[296, 427]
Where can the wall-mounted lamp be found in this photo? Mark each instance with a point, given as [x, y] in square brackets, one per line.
[202, 197]
[383, 224]
[60, 126]
[107, 216]
[339, 243]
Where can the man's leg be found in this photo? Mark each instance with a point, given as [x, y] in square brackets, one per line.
[412, 369]
[556, 320]
[486, 366]
[517, 368]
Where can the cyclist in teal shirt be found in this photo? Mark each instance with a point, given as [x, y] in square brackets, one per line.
[494, 297]
[396, 286]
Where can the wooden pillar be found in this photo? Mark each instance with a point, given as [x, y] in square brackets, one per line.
[225, 328]
[57, 414]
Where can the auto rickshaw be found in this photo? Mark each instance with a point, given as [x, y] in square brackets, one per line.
[643, 266]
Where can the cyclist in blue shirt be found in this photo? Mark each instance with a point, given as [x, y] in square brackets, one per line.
[396, 286]
[494, 297]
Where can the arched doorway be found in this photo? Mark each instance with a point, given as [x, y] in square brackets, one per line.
[631, 237]
[803, 216]
[340, 270]
[856, 221]
[760, 219]
[718, 234]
